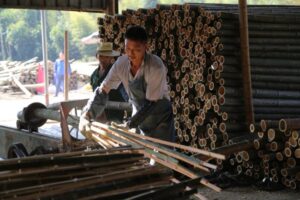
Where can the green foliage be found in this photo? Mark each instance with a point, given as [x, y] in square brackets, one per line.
[21, 30]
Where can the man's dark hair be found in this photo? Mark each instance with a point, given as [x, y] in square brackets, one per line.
[136, 33]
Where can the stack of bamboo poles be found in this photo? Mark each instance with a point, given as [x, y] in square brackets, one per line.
[274, 63]
[275, 86]
[159, 150]
[275, 153]
[201, 49]
[117, 171]
[186, 38]
[97, 174]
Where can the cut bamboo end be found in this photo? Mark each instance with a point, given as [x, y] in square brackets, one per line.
[293, 184]
[263, 125]
[274, 146]
[257, 144]
[295, 134]
[271, 134]
[282, 125]
[297, 153]
[284, 172]
[260, 134]
[292, 142]
[287, 152]
[279, 156]
[275, 178]
[291, 162]
[252, 128]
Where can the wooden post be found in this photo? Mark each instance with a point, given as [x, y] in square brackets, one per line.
[245, 59]
[45, 56]
[2, 44]
[66, 78]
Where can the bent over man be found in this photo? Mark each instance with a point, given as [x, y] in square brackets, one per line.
[144, 78]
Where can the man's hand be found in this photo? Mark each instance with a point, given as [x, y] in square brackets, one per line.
[123, 126]
[85, 125]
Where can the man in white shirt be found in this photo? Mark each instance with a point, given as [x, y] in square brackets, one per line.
[144, 78]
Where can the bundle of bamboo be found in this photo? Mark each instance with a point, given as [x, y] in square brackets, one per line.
[98, 174]
[275, 153]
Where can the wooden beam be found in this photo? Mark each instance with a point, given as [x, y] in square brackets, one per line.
[245, 60]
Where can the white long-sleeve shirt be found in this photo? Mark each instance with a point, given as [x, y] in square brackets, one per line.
[153, 70]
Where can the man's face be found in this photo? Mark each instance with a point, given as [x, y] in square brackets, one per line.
[61, 56]
[135, 50]
[104, 60]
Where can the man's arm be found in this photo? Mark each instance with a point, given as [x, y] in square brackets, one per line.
[96, 104]
[141, 115]
[98, 101]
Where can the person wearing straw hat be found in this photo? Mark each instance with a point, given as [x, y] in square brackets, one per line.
[144, 77]
[106, 56]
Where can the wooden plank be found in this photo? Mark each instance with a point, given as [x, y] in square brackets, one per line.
[99, 4]
[51, 3]
[245, 58]
[85, 4]
[78, 5]
[188, 148]
[183, 170]
[192, 161]
[18, 83]
[24, 3]
[11, 2]
[62, 3]
[75, 3]
[37, 3]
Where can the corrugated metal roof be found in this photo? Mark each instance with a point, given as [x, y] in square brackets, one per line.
[107, 6]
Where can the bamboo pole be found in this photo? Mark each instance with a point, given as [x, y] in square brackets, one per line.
[66, 67]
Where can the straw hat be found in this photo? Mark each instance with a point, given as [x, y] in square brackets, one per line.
[106, 49]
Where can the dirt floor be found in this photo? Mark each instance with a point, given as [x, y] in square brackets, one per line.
[13, 102]
[249, 193]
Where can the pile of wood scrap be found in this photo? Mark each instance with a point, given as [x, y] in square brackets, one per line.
[19, 75]
[27, 76]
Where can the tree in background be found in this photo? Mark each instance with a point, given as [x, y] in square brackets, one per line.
[20, 30]
[21, 33]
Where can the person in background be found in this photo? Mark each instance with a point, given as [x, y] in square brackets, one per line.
[59, 73]
[144, 77]
[106, 56]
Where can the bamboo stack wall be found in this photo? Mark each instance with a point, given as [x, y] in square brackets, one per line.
[274, 68]
[201, 48]
[187, 40]
[275, 154]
